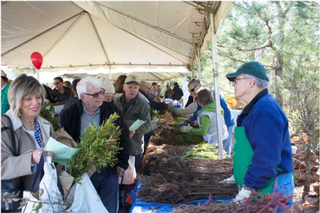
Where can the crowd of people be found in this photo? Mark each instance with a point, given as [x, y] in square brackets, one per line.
[262, 127]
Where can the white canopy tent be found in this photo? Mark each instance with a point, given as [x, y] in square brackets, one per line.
[110, 34]
[155, 75]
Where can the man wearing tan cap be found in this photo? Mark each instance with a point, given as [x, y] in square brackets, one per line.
[133, 108]
[4, 91]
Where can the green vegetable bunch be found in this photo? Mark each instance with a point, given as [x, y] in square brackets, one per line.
[202, 151]
[99, 148]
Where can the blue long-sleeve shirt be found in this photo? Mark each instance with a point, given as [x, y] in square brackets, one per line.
[228, 119]
[266, 128]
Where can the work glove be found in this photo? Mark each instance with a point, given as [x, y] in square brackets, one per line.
[185, 129]
[184, 123]
[229, 180]
[194, 124]
[244, 193]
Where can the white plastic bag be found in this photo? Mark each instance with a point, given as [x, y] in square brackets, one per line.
[84, 197]
[130, 174]
[51, 198]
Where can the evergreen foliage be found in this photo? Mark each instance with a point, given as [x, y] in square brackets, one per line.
[284, 37]
[99, 148]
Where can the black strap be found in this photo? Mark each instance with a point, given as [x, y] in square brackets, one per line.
[38, 171]
[15, 150]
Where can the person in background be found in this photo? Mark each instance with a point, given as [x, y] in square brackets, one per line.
[145, 89]
[194, 85]
[107, 85]
[177, 92]
[169, 92]
[133, 108]
[262, 130]
[67, 84]
[154, 88]
[4, 91]
[74, 99]
[118, 84]
[207, 118]
[92, 110]
[157, 97]
[64, 92]
[32, 132]
[159, 89]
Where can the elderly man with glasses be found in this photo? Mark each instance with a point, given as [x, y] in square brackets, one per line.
[194, 85]
[262, 152]
[92, 110]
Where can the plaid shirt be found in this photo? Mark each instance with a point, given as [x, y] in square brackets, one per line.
[37, 133]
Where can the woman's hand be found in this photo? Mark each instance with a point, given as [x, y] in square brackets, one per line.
[36, 155]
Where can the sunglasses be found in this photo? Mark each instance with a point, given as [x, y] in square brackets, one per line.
[193, 88]
[96, 95]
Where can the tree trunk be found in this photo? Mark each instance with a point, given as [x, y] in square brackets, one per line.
[307, 182]
[279, 59]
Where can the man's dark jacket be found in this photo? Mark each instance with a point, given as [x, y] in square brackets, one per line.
[177, 93]
[155, 105]
[71, 119]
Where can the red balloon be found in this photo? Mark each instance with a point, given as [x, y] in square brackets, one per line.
[36, 59]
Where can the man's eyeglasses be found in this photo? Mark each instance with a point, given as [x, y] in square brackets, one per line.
[193, 88]
[238, 79]
[96, 95]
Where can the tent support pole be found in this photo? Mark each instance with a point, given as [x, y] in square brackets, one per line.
[216, 86]
[199, 67]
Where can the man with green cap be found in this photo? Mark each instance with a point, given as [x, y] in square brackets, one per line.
[262, 152]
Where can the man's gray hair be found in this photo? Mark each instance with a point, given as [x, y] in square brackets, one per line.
[82, 85]
[195, 82]
[144, 83]
[261, 83]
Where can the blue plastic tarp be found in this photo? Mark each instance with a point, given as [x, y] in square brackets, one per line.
[140, 206]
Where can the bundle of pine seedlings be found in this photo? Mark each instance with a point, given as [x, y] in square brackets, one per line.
[169, 178]
[99, 148]
[256, 203]
[99, 145]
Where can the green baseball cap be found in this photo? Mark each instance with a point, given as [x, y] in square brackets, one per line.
[252, 68]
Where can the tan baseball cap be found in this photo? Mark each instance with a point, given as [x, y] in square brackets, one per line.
[131, 79]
